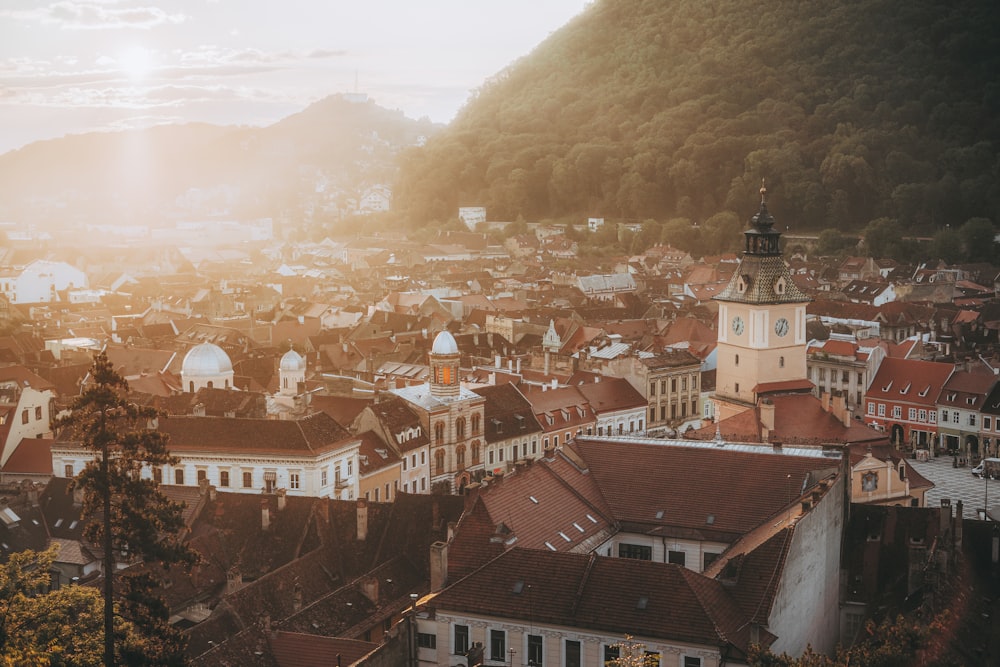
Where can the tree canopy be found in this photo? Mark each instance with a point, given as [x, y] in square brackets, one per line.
[643, 109]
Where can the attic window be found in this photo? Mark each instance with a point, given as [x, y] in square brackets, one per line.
[592, 519]
[659, 514]
[925, 390]
[779, 286]
[520, 421]
[578, 526]
[533, 499]
[564, 536]
[710, 519]
[888, 386]
[969, 400]
[549, 545]
[519, 586]
[642, 603]
[952, 396]
[905, 389]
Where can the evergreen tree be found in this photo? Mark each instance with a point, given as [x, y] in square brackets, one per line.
[127, 513]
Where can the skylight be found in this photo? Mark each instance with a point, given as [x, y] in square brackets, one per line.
[564, 536]
[549, 545]
[592, 519]
[642, 603]
[533, 499]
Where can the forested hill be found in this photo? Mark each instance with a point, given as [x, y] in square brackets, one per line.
[852, 109]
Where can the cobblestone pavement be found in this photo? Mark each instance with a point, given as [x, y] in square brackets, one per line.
[957, 484]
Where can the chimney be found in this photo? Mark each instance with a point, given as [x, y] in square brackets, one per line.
[840, 410]
[362, 519]
[496, 361]
[767, 416]
[369, 588]
[265, 515]
[281, 498]
[518, 365]
[945, 516]
[545, 370]
[958, 524]
[439, 566]
[234, 581]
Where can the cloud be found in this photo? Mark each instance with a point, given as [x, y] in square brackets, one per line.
[95, 15]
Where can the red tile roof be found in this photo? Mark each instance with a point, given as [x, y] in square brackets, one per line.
[294, 649]
[610, 595]
[697, 491]
[909, 381]
[308, 436]
[32, 456]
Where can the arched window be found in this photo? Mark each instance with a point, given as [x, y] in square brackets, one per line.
[475, 424]
[210, 384]
[439, 432]
[460, 428]
[781, 362]
[737, 360]
[460, 457]
[439, 462]
[475, 452]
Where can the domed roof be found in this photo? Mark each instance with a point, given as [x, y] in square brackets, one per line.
[206, 360]
[292, 361]
[444, 344]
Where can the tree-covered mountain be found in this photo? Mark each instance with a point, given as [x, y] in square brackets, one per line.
[334, 145]
[852, 109]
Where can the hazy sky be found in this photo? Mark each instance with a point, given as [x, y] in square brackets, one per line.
[77, 65]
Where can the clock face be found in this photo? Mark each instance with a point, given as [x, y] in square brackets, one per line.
[737, 325]
[781, 327]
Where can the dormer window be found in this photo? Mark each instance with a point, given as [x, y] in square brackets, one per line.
[780, 285]
[905, 389]
[743, 283]
[925, 390]
[888, 386]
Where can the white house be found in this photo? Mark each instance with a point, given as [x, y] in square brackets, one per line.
[41, 280]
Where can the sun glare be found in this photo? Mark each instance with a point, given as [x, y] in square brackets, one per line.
[136, 62]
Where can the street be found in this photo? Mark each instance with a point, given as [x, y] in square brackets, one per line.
[957, 484]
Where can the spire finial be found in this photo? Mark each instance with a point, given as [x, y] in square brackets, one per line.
[763, 192]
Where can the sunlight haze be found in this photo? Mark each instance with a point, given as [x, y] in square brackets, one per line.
[76, 66]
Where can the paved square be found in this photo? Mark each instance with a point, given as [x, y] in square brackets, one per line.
[957, 484]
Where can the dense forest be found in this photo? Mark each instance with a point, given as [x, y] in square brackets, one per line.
[673, 110]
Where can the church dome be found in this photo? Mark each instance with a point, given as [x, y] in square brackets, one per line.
[292, 362]
[206, 360]
[444, 344]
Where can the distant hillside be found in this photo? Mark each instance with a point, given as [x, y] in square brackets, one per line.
[135, 176]
[852, 109]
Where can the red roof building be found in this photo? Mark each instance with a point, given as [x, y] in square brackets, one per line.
[902, 398]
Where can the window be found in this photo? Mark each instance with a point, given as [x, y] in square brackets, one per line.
[694, 406]
[652, 388]
[68, 470]
[737, 360]
[293, 480]
[179, 476]
[426, 640]
[869, 481]
[439, 461]
[922, 415]
[423, 456]
[404, 464]
[652, 413]
[897, 412]
[157, 475]
[673, 381]
[572, 653]
[460, 427]
[535, 650]
[691, 661]
[24, 416]
[323, 477]
[38, 412]
[871, 408]
[461, 644]
[201, 475]
[635, 551]
[677, 557]
[954, 417]
[611, 652]
[684, 383]
[350, 465]
[944, 415]
[223, 478]
[781, 362]
[912, 414]
[663, 386]
[498, 645]
[694, 383]
[475, 424]
[933, 415]
[460, 457]
[439, 432]
[881, 409]
[737, 387]
[845, 377]
[708, 558]
[650, 659]
[489, 456]
[987, 423]
[247, 479]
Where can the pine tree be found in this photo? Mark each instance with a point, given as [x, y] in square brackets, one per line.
[127, 513]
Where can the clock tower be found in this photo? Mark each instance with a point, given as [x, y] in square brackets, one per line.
[762, 324]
